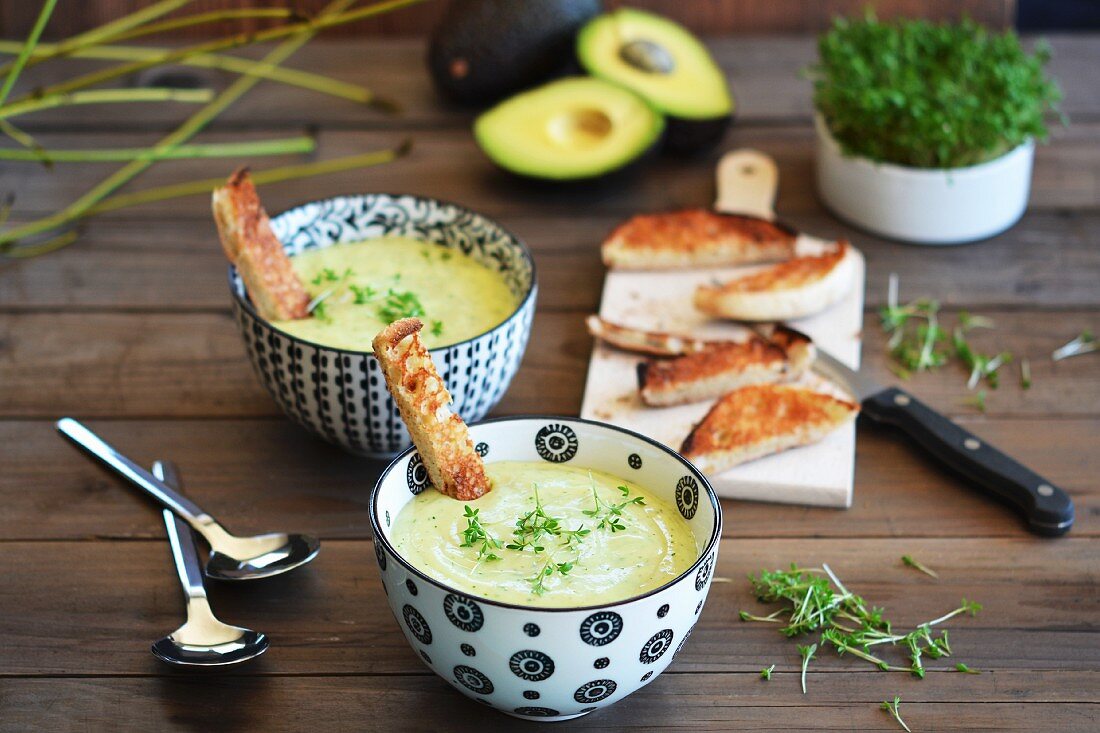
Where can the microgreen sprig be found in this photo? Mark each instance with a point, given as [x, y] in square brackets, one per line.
[766, 673]
[908, 560]
[1085, 343]
[610, 515]
[807, 653]
[476, 534]
[892, 709]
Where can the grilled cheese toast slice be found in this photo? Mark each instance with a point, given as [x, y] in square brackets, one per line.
[793, 289]
[760, 420]
[440, 436]
[251, 245]
[656, 343]
[695, 238]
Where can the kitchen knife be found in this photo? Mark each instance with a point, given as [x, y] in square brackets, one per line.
[1047, 508]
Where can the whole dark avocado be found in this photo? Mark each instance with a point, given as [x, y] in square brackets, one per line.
[484, 50]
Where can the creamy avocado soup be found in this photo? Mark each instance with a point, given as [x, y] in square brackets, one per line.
[541, 537]
[360, 288]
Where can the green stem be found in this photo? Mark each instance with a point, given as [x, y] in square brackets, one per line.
[107, 30]
[28, 47]
[309, 27]
[233, 64]
[192, 126]
[107, 96]
[285, 146]
[25, 140]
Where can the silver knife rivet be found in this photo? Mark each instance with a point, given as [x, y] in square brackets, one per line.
[972, 444]
[1045, 489]
[901, 399]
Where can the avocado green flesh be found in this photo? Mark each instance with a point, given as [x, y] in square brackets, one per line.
[695, 87]
[572, 128]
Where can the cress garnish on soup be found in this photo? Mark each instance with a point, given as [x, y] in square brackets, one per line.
[359, 288]
[547, 535]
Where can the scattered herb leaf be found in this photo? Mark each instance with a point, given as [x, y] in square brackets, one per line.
[908, 560]
[766, 673]
[807, 653]
[1084, 343]
[965, 669]
[437, 328]
[1025, 374]
[892, 708]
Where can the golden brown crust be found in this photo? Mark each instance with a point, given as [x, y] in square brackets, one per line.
[708, 374]
[251, 245]
[793, 273]
[656, 343]
[762, 419]
[695, 238]
[440, 435]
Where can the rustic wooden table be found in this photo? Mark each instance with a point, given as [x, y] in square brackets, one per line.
[130, 329]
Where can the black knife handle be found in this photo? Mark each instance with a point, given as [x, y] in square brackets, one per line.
[1048, 509]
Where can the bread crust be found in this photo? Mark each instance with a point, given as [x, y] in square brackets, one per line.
[760, 420]
[440, 436]
[655, 343]
[708, 374]
[796, 288]
[251, 245]
[695, 238]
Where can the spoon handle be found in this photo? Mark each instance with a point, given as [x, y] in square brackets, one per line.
[182, 541]
[137, 475]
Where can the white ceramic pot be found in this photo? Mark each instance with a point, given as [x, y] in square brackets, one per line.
[924, 205]
[551, 663]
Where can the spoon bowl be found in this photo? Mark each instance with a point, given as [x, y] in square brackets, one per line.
[245, 645]
[272, 554]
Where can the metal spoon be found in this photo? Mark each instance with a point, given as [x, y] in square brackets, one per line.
[203, 640]
[231, 558]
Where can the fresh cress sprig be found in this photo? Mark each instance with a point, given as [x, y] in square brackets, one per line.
[476, 534]
[610, 515]
[892, 709]
[908, 560]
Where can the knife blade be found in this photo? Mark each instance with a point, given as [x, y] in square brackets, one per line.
[1047, 508]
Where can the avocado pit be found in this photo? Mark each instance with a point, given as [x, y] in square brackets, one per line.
[579, 128]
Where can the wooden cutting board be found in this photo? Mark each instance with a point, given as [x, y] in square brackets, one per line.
[819, 474]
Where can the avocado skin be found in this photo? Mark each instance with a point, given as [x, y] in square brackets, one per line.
[690, 137]
[483, 50]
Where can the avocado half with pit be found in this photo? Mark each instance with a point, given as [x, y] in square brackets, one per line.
[571, 129]
[662, 61]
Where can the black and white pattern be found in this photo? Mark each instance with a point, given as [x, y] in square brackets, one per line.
[556, 443]
[426, 657]
[536, 712]
[656, 647]
[634, 461]
[595, 691]
[416, 474]
[531, 694]
[531, 665]
[662, 611]
[473, 680]
[602, 627]
[482, 449]
[340, 395]
[684, 641]
[601, 663]
[646, 676]
[687, 496]
[468, 650]
[416, 624]
[463, 612]
[411, 586]
[703, 575]
[380, 554]
[531, 629]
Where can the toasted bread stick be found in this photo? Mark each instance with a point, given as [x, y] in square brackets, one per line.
[757, 421]
[440, 435]
[695, 238]
[798, 287]
[250, 244]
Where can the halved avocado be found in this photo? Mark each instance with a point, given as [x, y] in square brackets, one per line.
[662, 61]
[570, 129]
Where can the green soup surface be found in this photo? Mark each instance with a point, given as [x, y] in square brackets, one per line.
[373, 283]
[654, 545]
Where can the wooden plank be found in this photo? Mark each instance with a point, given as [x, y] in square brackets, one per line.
[260, 475]
[672, 702]
[1047, 260]
[764, 74]
[447, 164]
[194, 365]
[332, 618]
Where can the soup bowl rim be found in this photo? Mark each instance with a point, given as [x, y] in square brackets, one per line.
[245, 302]
[704, 553]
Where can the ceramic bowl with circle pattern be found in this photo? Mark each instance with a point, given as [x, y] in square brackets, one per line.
[340, 395]
[551, 663]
